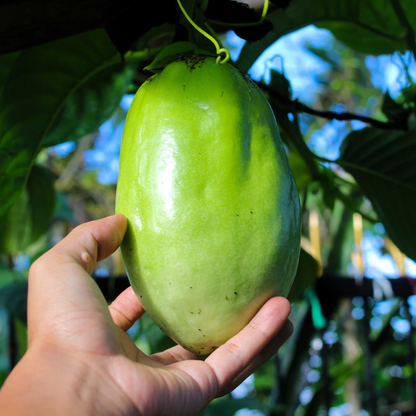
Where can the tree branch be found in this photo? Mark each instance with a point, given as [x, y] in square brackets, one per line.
[346, 116]
[295, 106]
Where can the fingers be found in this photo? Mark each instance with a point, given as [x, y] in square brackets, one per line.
[84, 246]
[235, 356]
[99, 239]
[60, 282]
[265, 355]
[126, 309]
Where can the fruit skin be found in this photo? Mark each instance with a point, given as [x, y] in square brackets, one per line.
[212, 206]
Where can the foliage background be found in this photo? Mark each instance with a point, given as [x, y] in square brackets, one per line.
[340, 79]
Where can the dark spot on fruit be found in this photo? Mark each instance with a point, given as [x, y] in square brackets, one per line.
[203, 336]
[184, 87]
[192, 61]
[198, 329]
[191, 287]
[226, 297]
[191, 313]
[199, 311]
[170, 283]
[222, 93]
[141, 296]
[235, 293]
[202, 348]
[251, 212]
[130, 249]
[237, 215]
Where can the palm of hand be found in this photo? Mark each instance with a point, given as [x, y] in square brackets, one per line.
[67, 309]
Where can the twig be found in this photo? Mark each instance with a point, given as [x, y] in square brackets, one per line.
[332, 115]
[298, 107]
[63, 183]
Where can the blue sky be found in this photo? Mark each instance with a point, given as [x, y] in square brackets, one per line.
[301, 67]
[288, 54]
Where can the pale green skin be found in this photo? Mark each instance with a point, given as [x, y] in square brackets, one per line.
[212, 206]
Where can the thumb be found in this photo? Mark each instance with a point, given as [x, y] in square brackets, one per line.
[60, 282]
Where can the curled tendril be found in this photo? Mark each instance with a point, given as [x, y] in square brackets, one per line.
[219, 50]
[227, 56]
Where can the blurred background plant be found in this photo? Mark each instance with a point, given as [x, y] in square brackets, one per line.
[340, 79]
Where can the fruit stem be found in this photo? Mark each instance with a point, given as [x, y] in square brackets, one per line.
[208, 36]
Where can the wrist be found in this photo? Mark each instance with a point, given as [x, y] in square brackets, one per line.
[50, 382]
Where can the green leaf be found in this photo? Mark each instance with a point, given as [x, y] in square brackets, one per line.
[6, 65]
[226, 406]
[297, 353]
[91, 105]
[20, 328]
[280, 85]
[363, 25]
[408, 96]
[300, 171]
[132, 21]
[170, 54]
[383, 164]
[278, 93]
[13, 298]
[369, 40]
[329, 188]
[32, 213]
[157, 339]
[63, 209]
[155, 32]
[393, 110]
[341, 227]
[37, 88]
[308, 271]
[8, 276]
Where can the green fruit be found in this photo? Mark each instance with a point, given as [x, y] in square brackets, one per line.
[212, 207]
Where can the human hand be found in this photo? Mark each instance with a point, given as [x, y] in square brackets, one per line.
[81, 361]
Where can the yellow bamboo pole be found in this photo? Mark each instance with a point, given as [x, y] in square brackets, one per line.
[398, 256]
[357, 254]
[315, 236]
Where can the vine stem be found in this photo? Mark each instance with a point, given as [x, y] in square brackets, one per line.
[219, 50]
[264, 13]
